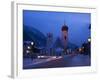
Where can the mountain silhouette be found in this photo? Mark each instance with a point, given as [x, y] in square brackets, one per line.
[32, 34]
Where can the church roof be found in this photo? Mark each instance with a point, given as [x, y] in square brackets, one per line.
[64, 28]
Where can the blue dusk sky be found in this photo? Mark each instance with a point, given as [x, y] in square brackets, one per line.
[47, 21]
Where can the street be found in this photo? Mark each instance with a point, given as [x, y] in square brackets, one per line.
[54, 62]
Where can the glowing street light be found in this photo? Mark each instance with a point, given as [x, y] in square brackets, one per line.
[28, 47]
[32, 43]
[80, 49]
[89, 40]
[27, 51]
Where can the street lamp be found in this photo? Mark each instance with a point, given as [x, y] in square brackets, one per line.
[89, 40]
[27, 51]
[32, 43]
[28, 47]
